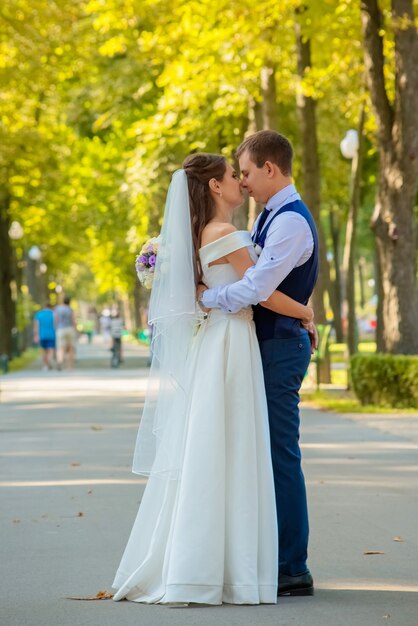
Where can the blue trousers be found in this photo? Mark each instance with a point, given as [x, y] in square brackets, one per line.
[285, 362]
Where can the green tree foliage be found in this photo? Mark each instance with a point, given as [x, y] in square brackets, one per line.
[101, 101]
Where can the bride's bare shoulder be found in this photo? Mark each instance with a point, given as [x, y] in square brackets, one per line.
[216, 230]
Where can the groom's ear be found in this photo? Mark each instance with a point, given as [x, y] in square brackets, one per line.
[270, 169]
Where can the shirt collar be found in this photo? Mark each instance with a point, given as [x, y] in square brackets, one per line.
[280, 198]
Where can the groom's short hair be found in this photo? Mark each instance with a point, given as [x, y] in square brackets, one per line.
[268, 145]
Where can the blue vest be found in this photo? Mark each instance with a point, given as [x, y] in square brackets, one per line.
[298, 285]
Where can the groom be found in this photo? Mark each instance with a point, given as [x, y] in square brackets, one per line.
[286, 235]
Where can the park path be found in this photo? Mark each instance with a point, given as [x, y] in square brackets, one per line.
[68, 500]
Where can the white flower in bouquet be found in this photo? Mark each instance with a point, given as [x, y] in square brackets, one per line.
[146, 260]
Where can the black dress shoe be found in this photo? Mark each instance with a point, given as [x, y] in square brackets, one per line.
[301, 585]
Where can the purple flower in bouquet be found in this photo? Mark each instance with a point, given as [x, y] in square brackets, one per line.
[145, 262]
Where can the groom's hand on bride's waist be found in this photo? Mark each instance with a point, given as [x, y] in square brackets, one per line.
[201, 288]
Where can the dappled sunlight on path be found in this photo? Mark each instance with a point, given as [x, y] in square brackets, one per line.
[68, 500]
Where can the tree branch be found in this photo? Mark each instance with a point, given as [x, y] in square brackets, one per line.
[374, 60]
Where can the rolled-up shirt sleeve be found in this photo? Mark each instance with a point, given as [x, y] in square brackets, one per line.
[289, 243]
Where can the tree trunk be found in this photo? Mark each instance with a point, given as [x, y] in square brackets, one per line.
[312, 181]
[6, 276]
[261, 116]
[349, 257]
[361, 263]
[33, 280]
[335, 286]
[245, 217]
[380, 344]
[394, 219]
[269, 108]
[126, 313]
[137, 304]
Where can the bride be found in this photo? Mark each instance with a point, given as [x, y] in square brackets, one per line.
[206, 529]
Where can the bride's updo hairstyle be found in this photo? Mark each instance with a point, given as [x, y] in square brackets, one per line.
[200, 168]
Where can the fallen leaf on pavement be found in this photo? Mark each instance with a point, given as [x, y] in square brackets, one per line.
[80, 514]
[75, 464]
[373, 552]
[96, 427]
[100, 595]
[399, 539]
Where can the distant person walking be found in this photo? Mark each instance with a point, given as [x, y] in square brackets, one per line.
[116, 330]
[44, 334]
[66, 333]
[105, 323]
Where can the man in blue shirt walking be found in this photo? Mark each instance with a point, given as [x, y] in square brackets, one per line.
[44, 334]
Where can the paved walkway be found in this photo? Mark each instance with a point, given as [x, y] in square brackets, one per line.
[68, 500]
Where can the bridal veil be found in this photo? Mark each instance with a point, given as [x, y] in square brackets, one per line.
[174, 317]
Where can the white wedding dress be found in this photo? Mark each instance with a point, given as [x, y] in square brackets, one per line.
[211, 536]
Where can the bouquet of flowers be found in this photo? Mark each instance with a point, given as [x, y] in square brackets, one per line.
[145, 262]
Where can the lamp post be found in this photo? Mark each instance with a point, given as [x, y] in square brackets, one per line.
[16, 233]
[350, 144]
[352, 148]
[34, 255]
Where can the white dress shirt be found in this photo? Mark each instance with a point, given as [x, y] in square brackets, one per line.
[289, 244]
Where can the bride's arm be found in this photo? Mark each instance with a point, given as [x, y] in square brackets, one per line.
[278, 301]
